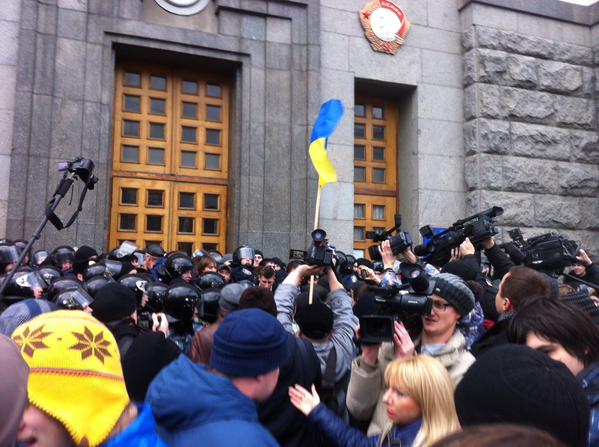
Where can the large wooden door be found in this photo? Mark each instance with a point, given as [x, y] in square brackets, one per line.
[170, 158]
[375, 169]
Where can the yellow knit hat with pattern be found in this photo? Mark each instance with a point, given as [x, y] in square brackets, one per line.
[75, 373]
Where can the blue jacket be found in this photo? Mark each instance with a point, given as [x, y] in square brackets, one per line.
[195, 407]
[345, 436]
[141, 433]
[590, 384]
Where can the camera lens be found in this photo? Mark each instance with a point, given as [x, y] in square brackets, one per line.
[319, 235]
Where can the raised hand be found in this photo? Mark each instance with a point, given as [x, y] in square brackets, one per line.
[303, 400]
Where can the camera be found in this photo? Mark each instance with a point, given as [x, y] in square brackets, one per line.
[397, 303]
[144, 320]
[399, 243]
[319, 252]
[437, 246]
[81, 167]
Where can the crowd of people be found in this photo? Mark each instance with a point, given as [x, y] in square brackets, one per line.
[139, 347]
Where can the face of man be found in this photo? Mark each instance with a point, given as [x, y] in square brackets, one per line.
[37, 429]
[267, 384]
[257, 259]
[149, 262]
[502, 304]
[210, 268]
[246, 262]
[554, 350]
[579, 269]
[441, 323]
[226, 274]
[266, 283]
[186, 276]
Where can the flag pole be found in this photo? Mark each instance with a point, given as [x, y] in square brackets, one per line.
[316, 218]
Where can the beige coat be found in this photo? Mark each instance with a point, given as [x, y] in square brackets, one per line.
[367, 383]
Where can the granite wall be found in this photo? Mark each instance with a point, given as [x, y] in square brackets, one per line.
[530, 133]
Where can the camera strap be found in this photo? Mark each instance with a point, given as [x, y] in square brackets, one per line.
[62, 189]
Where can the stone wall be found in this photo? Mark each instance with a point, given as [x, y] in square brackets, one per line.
[530, 138]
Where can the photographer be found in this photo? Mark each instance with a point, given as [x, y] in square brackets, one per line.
[452, 299]
[115, 306]
[329, 327]
[584, 269]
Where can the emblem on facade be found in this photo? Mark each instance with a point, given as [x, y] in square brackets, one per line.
[183, 7]
[385, 25]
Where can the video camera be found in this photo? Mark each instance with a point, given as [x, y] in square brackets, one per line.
[399, 243]
[82, 168]
[397, 303]
[319, 252]
[549, 252]
[476, 227]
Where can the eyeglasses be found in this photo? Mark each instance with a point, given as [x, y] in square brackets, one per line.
[440, 305]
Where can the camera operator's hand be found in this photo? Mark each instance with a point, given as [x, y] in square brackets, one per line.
[584, 257]
[160, 323]
[487, 243]
[404, 346]
[367, 274]
[387, 254]
[295, 277]
[466, 248]
[334, 283]
[409, 255]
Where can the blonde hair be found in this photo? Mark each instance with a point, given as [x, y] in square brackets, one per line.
[425, 380]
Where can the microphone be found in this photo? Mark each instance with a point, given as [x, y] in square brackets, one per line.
[421, 250]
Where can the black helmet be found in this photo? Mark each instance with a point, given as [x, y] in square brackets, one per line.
[94, 284]
[210, 281]
[136, 283]
[243, 252]
[23, 282]
[95, 270]
[63, 254]
[217, 256]
[39, 257]
[113, 267]
[177, 264]
[181, 301]
[21, 244]
[156, 251]
[73, 299]
[49, 273]
[60, 285]
[8, 254]
[156, 293]
[208, 308]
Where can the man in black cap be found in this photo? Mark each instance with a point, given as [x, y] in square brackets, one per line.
[515, 384]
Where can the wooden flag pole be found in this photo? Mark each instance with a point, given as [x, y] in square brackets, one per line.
[316, 218]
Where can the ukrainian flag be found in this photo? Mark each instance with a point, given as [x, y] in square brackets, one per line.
[328, 119]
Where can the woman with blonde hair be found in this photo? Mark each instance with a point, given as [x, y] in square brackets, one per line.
[419, 403]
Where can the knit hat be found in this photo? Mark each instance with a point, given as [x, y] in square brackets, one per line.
[258, 298]
[13, 390]
[315, 320]
[249, 343]
[113, 302]
[147, 355]
[82, 257]
[230, 296]
[515, 384]
[455, 291]
[75, 373]
[462, 269]
[21, 312]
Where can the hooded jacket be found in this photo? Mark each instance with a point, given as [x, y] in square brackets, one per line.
[367, 383]
[141, 432]
[193, 406]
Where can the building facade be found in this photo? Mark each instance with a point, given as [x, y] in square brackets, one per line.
[199, 124]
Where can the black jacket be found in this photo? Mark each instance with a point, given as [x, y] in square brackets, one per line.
[500, 261]
[280, 418]
[496, 336]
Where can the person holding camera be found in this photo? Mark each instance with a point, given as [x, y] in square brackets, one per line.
[585, 270]
[452, 299]
[330, 327]
[115, 306]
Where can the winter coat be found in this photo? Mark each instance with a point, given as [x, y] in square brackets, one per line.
[367, 383]
[589, 379]
[496, 336]
[345, 436]
[195, 407]
[344, 326]
[276, 413]
[141, 433]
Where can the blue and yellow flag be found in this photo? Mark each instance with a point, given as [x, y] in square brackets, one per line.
[328, 119]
